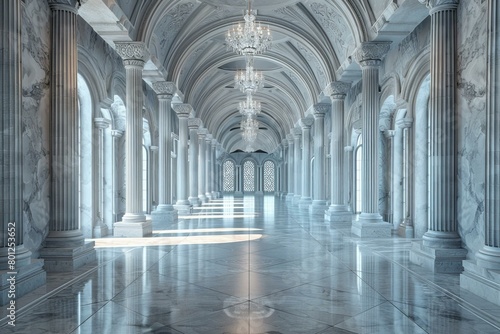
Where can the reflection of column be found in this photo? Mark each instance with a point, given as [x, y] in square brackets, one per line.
[182, 205]
[441, 249]
[193, 124]
[305, 199]
[318, 205]
[133, 224]
[297, 166]
[369, 223]
[338, 210]
[405, 229]
[65, 248]
[479, 276]
[208, 163]
[202, 134]
[100, 229]
[30, 274]
[291, 166]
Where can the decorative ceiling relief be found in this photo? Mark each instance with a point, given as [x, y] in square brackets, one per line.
[336, 27]
[314, 63]
[172, 23]
[193, 57]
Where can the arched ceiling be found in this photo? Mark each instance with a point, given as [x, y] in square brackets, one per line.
[311, 41]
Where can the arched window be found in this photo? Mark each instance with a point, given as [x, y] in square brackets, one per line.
[358, 160]
[228, 176]
[248, 176]
[269, 175]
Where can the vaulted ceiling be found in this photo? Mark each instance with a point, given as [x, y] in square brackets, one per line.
[313, 41]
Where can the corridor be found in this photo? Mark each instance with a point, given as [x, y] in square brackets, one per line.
[252, 265]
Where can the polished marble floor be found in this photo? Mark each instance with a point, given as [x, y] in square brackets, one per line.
[253, 265]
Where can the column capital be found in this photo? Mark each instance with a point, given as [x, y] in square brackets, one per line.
[153, 148]
[320, 109]
[117, 133]
[101, 123]
[164, 89]
[296, 132]
[439, 5]
[194, 123]
[132, 53]
[70, 5]
[208, 138]
[404, 122]
[348, 148]
[289, 138]
[371, 53]
[202, 133]
[284, 143]
[306, 123]
[337, 90]
[182, 109]
[389, 133]
[214, 142]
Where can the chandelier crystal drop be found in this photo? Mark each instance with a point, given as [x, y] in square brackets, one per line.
[250, 107]
[250, 38]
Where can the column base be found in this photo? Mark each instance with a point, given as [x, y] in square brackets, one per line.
[304, 203]
[338, 214]
[405, 231]
[183, 209]
[438, 260]
[296, 200]
[318, 207]
[209, 196]
[164, 217]
[202, 198]
[27, 279]
[370, 225]
[481, 281]
[133, 230]
[195, 201]
[61, 259]
[100, 230]
[289, 198]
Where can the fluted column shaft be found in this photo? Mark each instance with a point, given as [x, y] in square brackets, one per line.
[213, 167]
[305, 199]
[291, 166]
[64, 206]
[442, 225]
[183, 111]
[193, 124]
[297, 165]
[208, 163]
[11, 182]
[284, 171]
[100, 229]
[319, 152]
[202, 134]
[117, 174]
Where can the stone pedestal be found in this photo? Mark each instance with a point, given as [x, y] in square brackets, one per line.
[439, 260]
[369, 224]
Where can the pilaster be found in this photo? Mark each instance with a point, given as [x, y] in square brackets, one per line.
[369, 224]
[183, 206]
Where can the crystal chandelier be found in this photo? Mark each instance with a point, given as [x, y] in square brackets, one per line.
[250, 107]
[251, 38]
[249, 80]
[249, 126]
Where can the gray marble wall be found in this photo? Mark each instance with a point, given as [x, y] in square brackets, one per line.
[36, 116]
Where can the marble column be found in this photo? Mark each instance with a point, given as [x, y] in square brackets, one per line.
[165, 214]
[29, 273]
[405, 228]
[338, 210]
[193, 124]
[482, 276]
[369, 223]
[100, 229]
[154, 176]
[134, 223]
[297, 160]
[349, 178]
[284, 169]
[213, 166]
[65, 248]
[318, 205]
[208, 163]
[291, 171]
[305, 199]
[183, 206]
[440, 250]
[202, 135]
[117, 176]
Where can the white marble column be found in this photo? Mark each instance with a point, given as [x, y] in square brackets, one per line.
[202, 134]
[183, 206]
[30, 274]
[117, 176]
[297, 160]
[65, 248]
[291, 171]
[441, 249]
[134, 223]
[193, 124]
[405, 228]
[349, 178]
[482, 276]
[100, 228]
[153, 149]
[338, 210]
[213, 166]
[208, 163]
[305, 199]
[284, 169]
[369, 223]
[318, 205]
[165, 214]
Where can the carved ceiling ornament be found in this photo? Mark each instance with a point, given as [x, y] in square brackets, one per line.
[164, 88]
[371, 53]
[132, 51]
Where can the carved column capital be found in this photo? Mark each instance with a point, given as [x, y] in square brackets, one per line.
[371, 53]
[132, 53]
[306, 123]
[164, 89]
[438, 5]
[405, 122]
[296, 132]
[289, 138]
[337, 90]
[182, 109]
[284, 143]
[101, 123]
[194, 123]
[320, 109]
[69, 5]
[202, 133]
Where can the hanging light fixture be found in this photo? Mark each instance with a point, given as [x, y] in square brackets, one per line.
[249, 80]
[250, 107]
[249, 126]
[250, 38]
